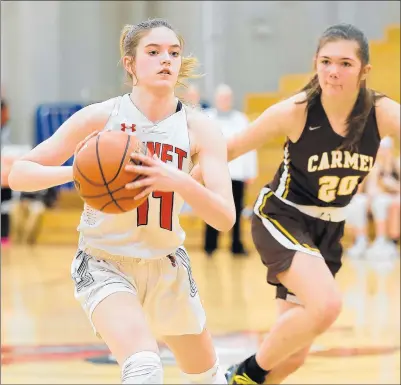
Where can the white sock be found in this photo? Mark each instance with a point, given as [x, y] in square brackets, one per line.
[380, 239]
[214, 376]
[361, 239]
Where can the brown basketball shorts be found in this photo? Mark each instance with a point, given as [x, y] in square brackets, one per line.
[280, 230]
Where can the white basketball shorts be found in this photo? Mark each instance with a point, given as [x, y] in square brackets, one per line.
[165, 288]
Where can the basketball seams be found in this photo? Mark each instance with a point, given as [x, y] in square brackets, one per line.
[122, 160]
[87, 179]
[112, 192]
[112, 180]
[103, 177]
[118, 199]
[102, 171]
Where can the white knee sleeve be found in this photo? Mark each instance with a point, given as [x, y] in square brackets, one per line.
[380, 205]
[357, 211]
[142, 368]
[215, 375]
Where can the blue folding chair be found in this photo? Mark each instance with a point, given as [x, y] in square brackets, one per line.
[49, 117]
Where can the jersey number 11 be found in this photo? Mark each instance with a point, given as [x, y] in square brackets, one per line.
[165, 212]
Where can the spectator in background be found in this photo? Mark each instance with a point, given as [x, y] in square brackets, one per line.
[243, 170]
[27, 210]
[379, 195]
[28, 213]
[6, 162]
[193, 98]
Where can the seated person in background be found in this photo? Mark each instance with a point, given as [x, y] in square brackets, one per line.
[28, 213]
[379, 195]
[192, 97]
[6, 163]
[243, 170]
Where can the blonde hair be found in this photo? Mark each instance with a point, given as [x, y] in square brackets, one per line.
[131, 36]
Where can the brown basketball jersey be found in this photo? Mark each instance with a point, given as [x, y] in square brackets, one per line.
[314, 172]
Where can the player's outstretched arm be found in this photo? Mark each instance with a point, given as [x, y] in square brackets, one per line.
[388, 117]
[213, 203]
[41, 167]
[285, 118]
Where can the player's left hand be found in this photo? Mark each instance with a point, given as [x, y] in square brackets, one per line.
[159, 176]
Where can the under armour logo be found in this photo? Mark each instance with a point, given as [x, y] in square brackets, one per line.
[124, 127]
[314, 128]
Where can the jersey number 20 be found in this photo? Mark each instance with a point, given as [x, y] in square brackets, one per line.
[331, 186]
[165, 212]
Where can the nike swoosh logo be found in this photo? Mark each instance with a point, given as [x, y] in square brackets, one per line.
[314, 128]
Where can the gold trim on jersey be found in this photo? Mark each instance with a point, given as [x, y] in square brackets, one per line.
[285, 176]
[287, 182]
[280, 227]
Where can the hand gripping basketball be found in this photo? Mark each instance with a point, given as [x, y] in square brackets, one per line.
[99, 171]
[156, 175]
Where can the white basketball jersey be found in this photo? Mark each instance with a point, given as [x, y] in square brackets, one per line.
[153, 229]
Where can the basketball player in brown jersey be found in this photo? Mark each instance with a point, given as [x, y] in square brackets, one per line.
[333, 129]
[129, 289]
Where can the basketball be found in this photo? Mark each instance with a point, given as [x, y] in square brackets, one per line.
[99, 172]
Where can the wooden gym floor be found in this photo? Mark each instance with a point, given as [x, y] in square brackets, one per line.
[46, 337]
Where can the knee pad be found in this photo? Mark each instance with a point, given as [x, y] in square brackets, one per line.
[380, 206]
[357, 211]
[142, 368]
[214, 375]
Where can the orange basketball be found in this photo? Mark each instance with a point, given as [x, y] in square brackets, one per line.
[99, 172]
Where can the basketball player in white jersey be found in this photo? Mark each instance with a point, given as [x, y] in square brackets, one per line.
[132, 275]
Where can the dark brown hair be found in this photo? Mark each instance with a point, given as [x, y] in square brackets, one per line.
[132, 34]
[366, 99]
